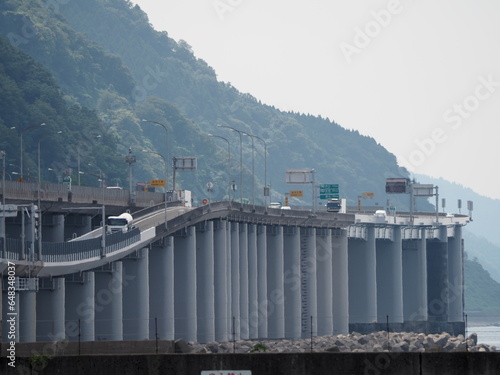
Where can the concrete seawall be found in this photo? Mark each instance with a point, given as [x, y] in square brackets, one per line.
[264, 363]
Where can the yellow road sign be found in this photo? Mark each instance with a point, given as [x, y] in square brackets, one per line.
[296, 193]
[368, 195]
[156, 183]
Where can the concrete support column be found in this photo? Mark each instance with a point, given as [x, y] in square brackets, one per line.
[390, 278]
[78, 226]
[220, 282]
[27, 232]
[1, 302]
[136, 296]
[455, 276]
[292, 279]
[422, 275]
[275, 282]
[340, 280]
[437, 277]
[109, 302]
[27, 316]
[185, 285]
[229, 279]
[54, 232]
[28, 228]
[263, 302]
[205, 283]
[415, 278]
[411, 281]
[362, 279]
[253, 304]
[50, 312]
[161, 288]
[309, 305]
[80, 307]
[325, 282]
[235, 281]
[244, 327]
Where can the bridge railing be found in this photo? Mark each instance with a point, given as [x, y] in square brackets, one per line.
[70, 251]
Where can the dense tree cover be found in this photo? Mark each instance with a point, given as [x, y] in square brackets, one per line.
[30, 96]
[82, 69]
[482, 293]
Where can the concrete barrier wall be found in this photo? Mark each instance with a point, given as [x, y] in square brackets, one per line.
[72, 348]
[19, 191]
[264, 364]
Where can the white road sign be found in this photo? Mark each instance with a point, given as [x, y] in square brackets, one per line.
[10, 210]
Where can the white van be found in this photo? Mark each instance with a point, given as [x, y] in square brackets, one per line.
[275, 205]
[380, 213]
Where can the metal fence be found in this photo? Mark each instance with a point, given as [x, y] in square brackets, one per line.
[69, 251]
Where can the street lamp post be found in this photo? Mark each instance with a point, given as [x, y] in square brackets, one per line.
[78, 156]
[265, 162]
[100, 177]
[165, 163]
[22, 132]
[38, 193]
[103, 208]
[241, 158]
[103, 239]
[3, 156]
[228, 164]
[166, 149]
[253, 171]
[253, 167]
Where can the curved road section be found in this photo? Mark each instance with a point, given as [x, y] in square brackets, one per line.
[90, 251]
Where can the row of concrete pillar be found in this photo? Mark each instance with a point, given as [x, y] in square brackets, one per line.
[223, 280]
[56, 227]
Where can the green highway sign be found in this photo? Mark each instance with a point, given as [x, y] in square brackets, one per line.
[329, 188]
[327, 191]
[329, 196]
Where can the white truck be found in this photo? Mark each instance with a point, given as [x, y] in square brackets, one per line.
[185, 197]
[121, 223]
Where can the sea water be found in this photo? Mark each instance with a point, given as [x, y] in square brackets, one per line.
[489, 335]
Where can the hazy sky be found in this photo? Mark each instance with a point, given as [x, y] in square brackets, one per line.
[421, 77]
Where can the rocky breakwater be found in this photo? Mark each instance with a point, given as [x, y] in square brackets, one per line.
[353, 342]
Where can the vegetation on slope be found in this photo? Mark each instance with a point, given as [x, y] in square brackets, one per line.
[482, 293]
[30, 97]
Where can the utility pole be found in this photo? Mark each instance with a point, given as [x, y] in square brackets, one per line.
[130, 159]
[3, 236]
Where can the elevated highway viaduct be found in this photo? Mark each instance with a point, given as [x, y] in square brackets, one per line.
[228, 270]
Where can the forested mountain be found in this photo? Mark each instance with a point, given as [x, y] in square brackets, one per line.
[104, 54]
[482, 293]
[30, 97]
